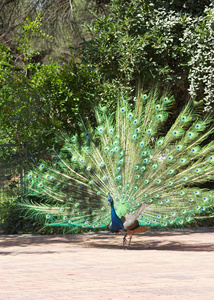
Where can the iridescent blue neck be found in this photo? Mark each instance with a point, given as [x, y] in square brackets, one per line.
[116, 223]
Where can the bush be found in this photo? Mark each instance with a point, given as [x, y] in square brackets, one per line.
[160, 42]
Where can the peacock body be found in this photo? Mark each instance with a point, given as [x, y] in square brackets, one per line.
[155, 173]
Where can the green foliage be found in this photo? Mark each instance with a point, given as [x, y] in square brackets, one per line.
[170, 43]
[37, 100]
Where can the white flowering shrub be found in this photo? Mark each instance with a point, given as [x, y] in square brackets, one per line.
[169, 42]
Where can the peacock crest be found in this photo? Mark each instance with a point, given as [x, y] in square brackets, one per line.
[155, 166]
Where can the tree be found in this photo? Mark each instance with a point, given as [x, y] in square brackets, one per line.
[63, 19]
[38, 99]
[170, 43]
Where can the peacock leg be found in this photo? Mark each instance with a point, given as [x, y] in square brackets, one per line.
[127, 243]
[130, 238]
[125, 240]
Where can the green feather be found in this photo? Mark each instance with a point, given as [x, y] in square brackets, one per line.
[153, 172]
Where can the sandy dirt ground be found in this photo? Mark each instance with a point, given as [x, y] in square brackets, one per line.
[162, 265]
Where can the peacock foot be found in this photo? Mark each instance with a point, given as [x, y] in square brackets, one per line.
[127, 240]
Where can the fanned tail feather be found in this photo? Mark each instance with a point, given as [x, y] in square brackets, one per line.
[155, 173]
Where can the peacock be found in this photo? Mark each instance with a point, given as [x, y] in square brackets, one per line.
[149, 163]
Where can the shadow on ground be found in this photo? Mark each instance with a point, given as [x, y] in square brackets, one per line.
[188, 240]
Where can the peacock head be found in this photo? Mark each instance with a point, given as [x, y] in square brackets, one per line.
[110, 200]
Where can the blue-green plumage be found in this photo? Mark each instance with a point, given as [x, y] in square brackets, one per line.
[153, 169]
[116, 223]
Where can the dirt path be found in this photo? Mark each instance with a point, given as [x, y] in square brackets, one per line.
[159, 265]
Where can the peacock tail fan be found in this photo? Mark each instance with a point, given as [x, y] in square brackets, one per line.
[157, 173]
